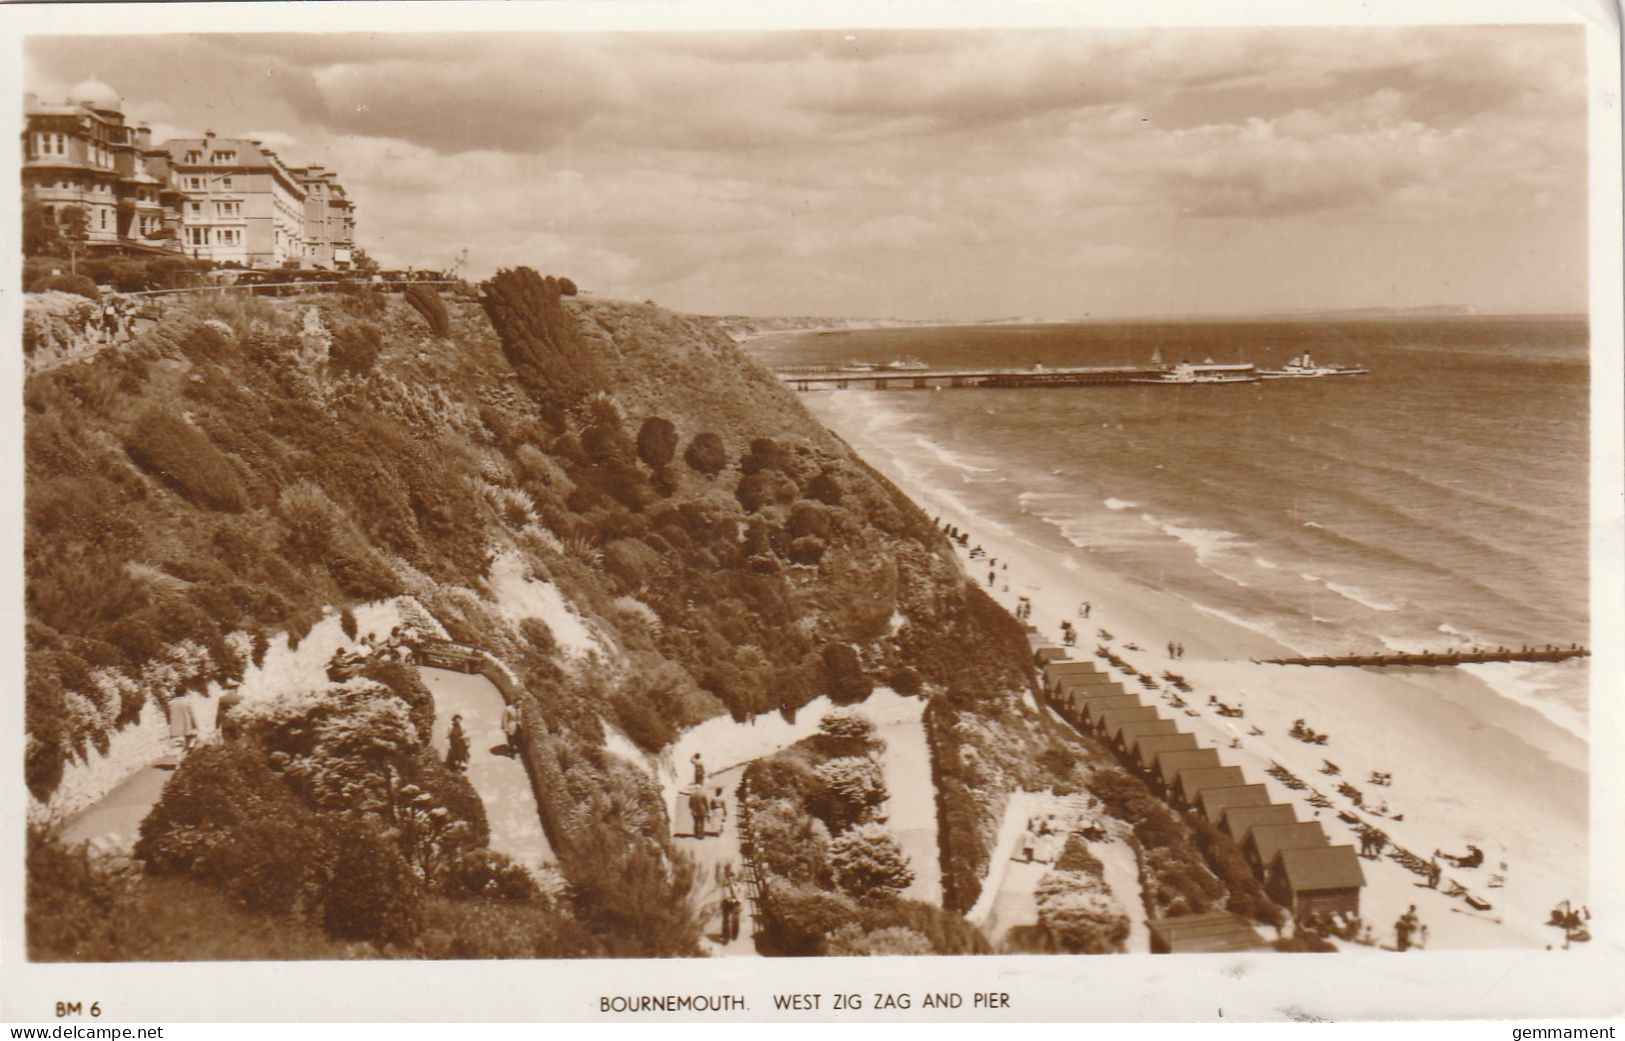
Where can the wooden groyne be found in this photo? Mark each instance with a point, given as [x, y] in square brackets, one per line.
[1499, 654]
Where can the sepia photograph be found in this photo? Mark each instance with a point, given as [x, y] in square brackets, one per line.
[525, 493]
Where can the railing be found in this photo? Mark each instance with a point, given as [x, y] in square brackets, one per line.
[312, 286]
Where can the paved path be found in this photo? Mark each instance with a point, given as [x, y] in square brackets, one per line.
[500, 780]
[113, 822]
[911, 804]
[719, 848]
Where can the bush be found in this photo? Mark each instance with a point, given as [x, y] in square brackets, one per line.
[790, 845]
[355, 348]
[657, 442]
[844, 680]
[425, 300]
[847, 723]
[66, 283]
[705, 454]
[371, 892]
[850, 789]
[804, 918]
[851, 941]
[869, 864]
[808, 551]
[178, 454]
[485, 872]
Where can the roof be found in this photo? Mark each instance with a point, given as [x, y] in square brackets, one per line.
[1148, 748]
[1069, 680]
[1117, 717]
[1270, 839]
[1082, 693]
[1170, 763]
[1216, 800]
[1055, 669]
[1048, 653]
[1096, 707]
[1214, 931]
[1239, 820]
[1132, 732]
[1191, 782]
[1327, 867]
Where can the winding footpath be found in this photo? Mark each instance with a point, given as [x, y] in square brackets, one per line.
[501, 780]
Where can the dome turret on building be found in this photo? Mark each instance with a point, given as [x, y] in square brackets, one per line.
[97, 95]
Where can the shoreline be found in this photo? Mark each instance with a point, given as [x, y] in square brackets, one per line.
[1469, 765]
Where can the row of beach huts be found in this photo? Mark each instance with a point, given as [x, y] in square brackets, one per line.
[1295, 860]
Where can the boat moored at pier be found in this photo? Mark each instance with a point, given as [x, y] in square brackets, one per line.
[1304, 367]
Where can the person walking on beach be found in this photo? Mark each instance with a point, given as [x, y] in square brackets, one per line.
[1084, 610]
[991, 575]
[1405, 928]
[1179, 650]
[1434, 872]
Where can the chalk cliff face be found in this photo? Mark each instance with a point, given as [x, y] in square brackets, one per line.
[706, 547]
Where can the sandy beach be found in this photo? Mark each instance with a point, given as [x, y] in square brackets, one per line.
[1468, 765]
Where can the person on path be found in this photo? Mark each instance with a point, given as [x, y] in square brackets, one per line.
[699, 769]
[699, 807]
[1029, 843]
[109, 318]
[457, 745]
[510, 728]
[719, 809]
[730, 907]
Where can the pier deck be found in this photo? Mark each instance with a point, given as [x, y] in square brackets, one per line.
[927, 379]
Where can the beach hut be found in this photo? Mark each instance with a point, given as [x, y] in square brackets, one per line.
[1192, 783]
[1055, 671]
[1266, 841]
[1066, 683]
[1110, 722]
[1239, 820]
[1129, 733]
[1169, 764]
[1148, 748]
[1323, 881]
[1212, 932]
[1215, 801]
[1097, 707]
[1078, 694]
[1042, 656]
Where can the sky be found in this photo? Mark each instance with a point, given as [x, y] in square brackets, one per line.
[962, 175]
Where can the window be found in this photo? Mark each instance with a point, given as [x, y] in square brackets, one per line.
[225, 182]
[228, 209]
[50, 144]
[228, 236]
[223, 158]
[194, 157]
[197, 236]
[104, 212]
[194, 184]
[194, 209]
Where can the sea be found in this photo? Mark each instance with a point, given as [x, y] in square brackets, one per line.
[1439, 502]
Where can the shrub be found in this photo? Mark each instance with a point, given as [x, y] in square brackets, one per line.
[790, 845]
[485, 872]
[355, 348]
[764, 453]
[847, 723]
[851, 941]
[178, 454]
[425, 300]
[1076, 856]
[705, 454]
[657, 442]
[850, 789]
[825, 488]
[371, 893]
[65, 283]
[808, 551]
[844, 680]
[869, 863]
[803, 918]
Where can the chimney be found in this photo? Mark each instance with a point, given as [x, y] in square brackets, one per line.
[143, 136]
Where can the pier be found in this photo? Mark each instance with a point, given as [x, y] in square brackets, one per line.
[1474, 657]
[930, 379]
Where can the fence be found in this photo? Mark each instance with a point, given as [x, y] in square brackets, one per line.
[310, 286]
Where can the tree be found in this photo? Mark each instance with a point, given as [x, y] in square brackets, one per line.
[657, 442]
[41, 236]
[74, 224]
[360, 261]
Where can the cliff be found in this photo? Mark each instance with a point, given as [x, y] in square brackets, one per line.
[249, 466]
